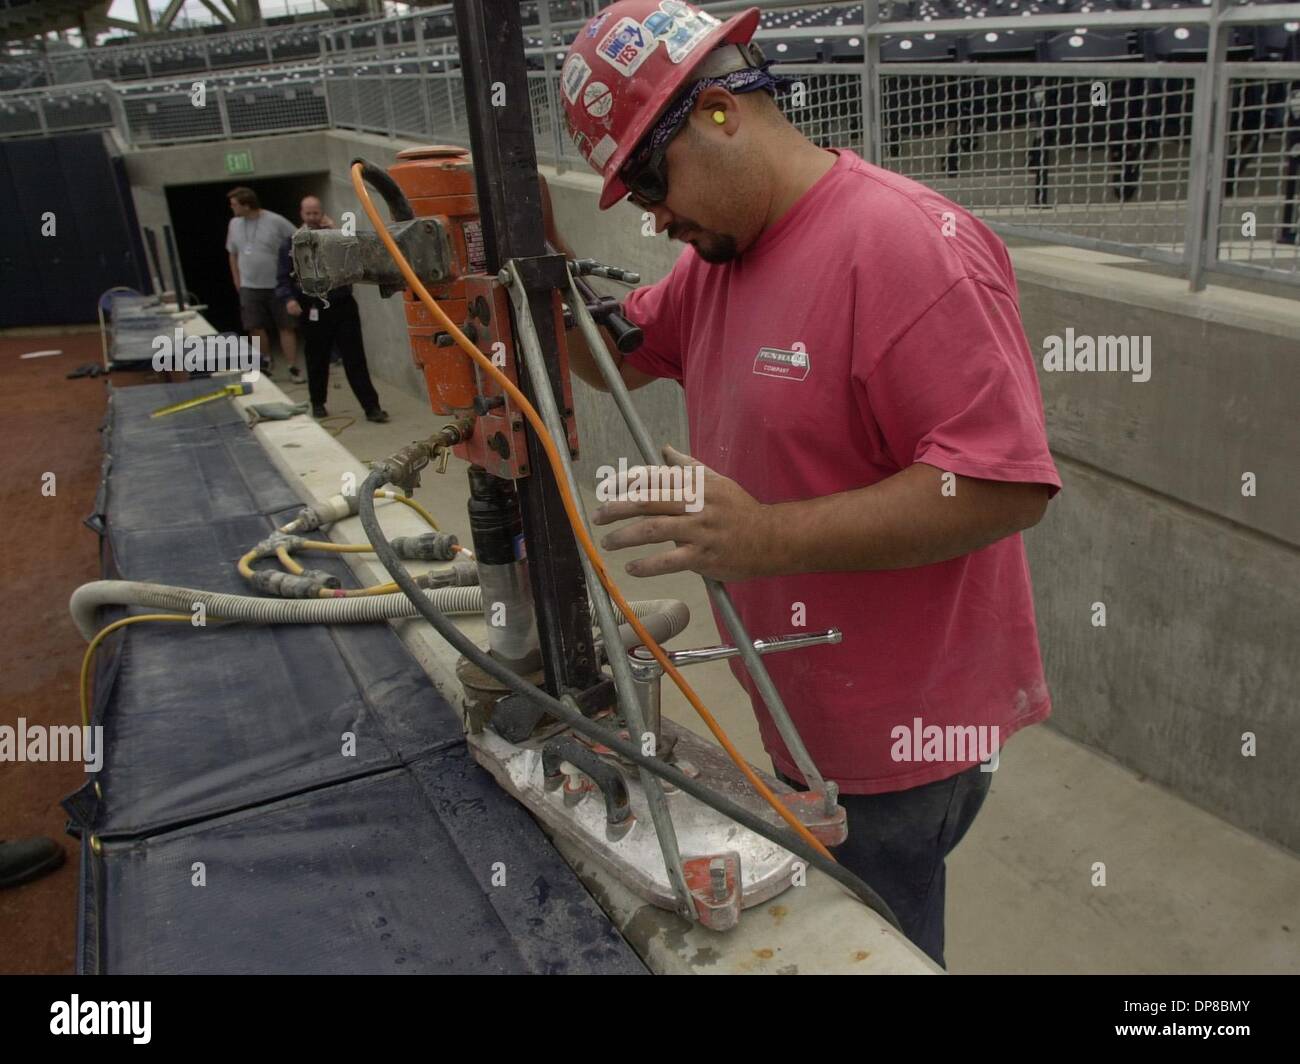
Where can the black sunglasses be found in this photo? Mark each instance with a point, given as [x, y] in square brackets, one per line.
[647, 184]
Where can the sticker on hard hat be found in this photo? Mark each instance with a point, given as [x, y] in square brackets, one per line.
[626, 46]
[598, 99]
[680, 28]
[605, 147]
[574, 76]
[596, 23]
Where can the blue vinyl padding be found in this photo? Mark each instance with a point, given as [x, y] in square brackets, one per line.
[225, 753]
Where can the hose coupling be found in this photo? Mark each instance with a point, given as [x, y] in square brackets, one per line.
[429, 547]
[461, 573]
[307, 584]
[275, 541]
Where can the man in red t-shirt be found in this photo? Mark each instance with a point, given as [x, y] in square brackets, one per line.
[860, 390]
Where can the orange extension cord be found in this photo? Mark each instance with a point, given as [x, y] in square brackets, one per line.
[571, 509]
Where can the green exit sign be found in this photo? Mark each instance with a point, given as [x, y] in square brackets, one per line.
[239, 162]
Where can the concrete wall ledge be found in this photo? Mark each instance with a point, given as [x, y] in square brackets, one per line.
[1106, 276]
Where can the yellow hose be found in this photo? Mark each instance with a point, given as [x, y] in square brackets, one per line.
[286, 559]
[571, 509]
[399, 497]
[103, 634]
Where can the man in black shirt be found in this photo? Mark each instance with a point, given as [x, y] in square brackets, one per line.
[327, 323]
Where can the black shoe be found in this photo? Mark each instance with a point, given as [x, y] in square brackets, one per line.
[296, 374]
[318, 411]
[377, 415]
[266, 366]
[23, 860]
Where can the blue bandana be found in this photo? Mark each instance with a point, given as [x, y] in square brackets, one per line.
[738, 81]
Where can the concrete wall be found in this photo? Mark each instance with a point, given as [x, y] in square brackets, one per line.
[1201, 583]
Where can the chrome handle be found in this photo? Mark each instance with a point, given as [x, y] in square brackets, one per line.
[644, 664]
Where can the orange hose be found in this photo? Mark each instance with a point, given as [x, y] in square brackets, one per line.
[571, 509]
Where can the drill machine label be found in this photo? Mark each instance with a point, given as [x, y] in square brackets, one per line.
[475, 252]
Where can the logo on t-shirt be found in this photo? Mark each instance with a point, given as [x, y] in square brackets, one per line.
[788, 365]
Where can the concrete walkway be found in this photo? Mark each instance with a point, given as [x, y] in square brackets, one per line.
[1185, 891]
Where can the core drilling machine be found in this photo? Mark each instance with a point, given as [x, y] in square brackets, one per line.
[566, 721]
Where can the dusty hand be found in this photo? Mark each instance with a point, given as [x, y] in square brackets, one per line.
[720, 530]
[293, 308]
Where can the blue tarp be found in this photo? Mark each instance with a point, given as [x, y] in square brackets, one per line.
[287, 798]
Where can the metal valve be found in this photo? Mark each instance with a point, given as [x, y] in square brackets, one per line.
[819, 810]
[648, 673]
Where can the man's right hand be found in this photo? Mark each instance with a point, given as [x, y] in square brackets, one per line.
[293, 308]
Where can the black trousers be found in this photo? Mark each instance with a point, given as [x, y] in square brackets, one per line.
[339, 325]
[898, 843]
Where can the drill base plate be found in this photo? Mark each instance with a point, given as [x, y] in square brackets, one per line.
[633, 855]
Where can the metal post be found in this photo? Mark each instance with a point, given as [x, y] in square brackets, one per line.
[451, 96]
[1208, 154]
[422, 79]
[490, 38]
[178, 278]
[119, 112]
[871, 83]
[329, 106]
[222, 111]
[552, 115]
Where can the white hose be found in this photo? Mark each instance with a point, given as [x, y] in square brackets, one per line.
[359, 609]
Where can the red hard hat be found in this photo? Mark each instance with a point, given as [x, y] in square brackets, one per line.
[626, 66]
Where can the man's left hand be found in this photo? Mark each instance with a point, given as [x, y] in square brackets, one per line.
[719, 529]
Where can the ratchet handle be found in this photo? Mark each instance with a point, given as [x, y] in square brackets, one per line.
[605, 311]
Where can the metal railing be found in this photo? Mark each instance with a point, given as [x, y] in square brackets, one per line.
[176, 55]
[1193, 164]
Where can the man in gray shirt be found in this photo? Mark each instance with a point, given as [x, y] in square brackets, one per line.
[253, 242]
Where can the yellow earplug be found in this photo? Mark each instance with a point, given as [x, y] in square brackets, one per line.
[720, 117]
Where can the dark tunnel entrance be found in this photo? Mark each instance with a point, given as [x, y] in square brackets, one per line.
[200, 216]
